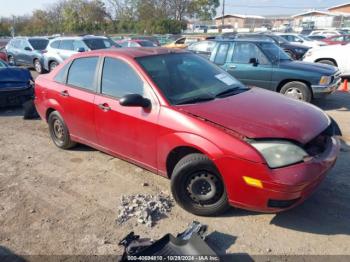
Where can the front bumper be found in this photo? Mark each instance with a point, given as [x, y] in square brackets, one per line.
[283, 188]
[321, 91]
[16, 97]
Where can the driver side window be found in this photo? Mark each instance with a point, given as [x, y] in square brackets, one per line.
[243, 52]
[120, 79]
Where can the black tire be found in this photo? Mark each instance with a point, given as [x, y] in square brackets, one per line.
[11, 60]
[38, 66]
[59, 132]
[297, 90]
[194, 173]
[52, 65]
[29, 110]
[326, 62]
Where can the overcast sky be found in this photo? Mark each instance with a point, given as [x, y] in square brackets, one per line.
[258, 7]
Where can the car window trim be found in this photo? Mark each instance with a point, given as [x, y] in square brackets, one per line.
[95, 76]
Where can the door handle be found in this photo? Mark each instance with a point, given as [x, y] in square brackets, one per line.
[231, 67]
[105, 107]
[64, 93]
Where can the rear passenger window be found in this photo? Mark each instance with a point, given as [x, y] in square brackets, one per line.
[62, 74]
[82, 73]
[55, 44]
[119, 79]
[67, 45]
[221, 54]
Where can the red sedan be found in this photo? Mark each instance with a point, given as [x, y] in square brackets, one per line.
[337, 40]
[3, 54]
[180, 116]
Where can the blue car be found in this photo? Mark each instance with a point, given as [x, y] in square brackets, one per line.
[16, 86]
[27, 51]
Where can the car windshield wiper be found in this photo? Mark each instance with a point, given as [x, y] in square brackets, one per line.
[229, 92]
[195, 99]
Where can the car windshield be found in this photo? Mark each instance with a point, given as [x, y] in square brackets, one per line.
[305, 38]
[279, 39]
[274, 52]
[99, 43]
[187, 78]
[38, 44]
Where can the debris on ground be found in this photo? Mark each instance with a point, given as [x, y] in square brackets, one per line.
[147, 209]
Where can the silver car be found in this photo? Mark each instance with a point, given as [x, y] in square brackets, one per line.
[61, 48]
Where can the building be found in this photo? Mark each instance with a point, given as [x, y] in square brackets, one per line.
[343, 8]
[237, 21]
[316, 19]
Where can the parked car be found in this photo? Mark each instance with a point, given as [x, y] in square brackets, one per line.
[203, 48]
[295, 51]
[61, 48]
[335, 55]
[3, 54]
[152, 39]
[326, 33]
[301, 39]
[136, 43]
[337, 40]
[16, 85]
[27, 51]
[183, 42]
[180, 116]
[316, 37]
[264, 64]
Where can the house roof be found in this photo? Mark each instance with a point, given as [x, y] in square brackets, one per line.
[339, 6]
[240, 16]
[310, 12]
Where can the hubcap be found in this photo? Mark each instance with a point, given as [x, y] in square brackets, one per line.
[204, 188]
[11, 61]
[37, 66]
[294, 93]
[53, 66]
[58, 130]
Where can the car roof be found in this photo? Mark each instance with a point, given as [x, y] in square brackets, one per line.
[243, 39]
[135, 52]
[78, 37]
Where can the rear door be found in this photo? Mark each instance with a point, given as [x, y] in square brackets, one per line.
[76, 97]
[130, 132]
[239, 65]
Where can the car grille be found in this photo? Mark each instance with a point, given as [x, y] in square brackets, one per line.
[336, 77]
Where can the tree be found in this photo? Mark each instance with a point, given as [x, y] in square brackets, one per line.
[204, 9]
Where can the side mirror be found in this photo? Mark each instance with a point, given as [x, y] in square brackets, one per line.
[81, 49]
[27, 48]
[254, 61]
[135, 100]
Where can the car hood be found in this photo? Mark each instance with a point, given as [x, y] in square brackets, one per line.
[323, 69]
[294, 46]
[259, 113]
[12, 77]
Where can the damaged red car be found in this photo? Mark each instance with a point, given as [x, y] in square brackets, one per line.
[182, 117]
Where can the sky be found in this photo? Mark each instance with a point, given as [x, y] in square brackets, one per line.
[252, 7]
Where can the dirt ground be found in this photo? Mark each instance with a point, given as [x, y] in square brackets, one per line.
[65, 202]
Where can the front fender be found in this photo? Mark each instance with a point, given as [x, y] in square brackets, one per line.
[169, 142]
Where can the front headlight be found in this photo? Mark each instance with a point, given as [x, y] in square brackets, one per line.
[280, 153]
[325, 80]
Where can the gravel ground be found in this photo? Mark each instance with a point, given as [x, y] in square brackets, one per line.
[66, 202]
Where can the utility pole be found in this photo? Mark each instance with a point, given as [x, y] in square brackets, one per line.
[223, 13]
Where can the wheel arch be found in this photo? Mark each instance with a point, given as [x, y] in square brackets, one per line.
[326, 58]
[286, 81]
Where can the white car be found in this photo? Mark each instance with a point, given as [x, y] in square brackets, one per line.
[336, 55]
[301, 39]
[326, 33]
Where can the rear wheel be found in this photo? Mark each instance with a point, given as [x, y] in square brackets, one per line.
[327, 62]
[11, 60]
[198, 187]
[59, 131]
[37, 66]
[297, 90]
[52, 65]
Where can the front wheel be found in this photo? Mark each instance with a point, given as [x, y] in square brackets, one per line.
[198, 187]
[59, 131]
[52, 65]
[297, 90]
[326, 62]
[11, 60]
[38, 67]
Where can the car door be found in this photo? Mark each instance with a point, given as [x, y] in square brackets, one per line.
[19, 52]
[76, 97]
[66, 49]
[130, 132]
[240, 66]
[27, 53]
